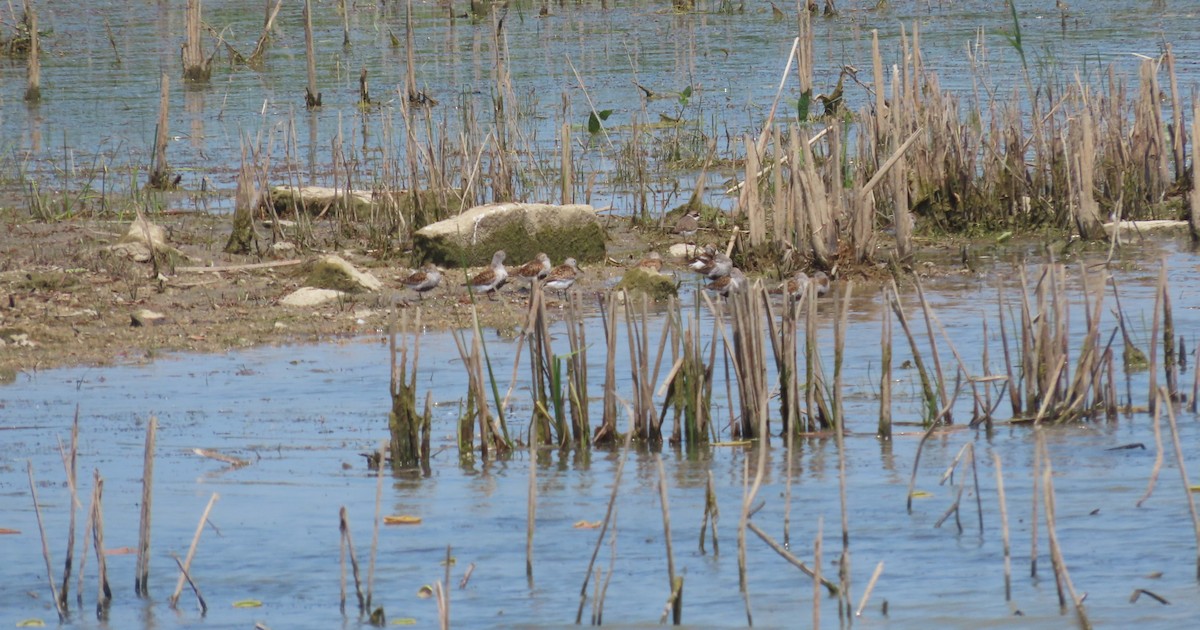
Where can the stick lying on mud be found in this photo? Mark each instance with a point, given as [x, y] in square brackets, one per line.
[246, 267]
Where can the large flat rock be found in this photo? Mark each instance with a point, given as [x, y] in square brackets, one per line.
[520, 229]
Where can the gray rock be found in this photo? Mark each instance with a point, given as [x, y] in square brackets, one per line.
[333, 272]
[146, 317]
[521, 229]
[310, 296]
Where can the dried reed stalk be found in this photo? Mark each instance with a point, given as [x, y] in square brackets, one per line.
[375, 523]
[813, 572]
[405, 426]
[70, 460]
[104, 592]
[33, 89]
[187, 562]
[606, 433]
[312, 98]
[1056, 558]
[1158, 457]
[608, 520]
[531, 504]
[712, 513]
[816, 576]
[932, 418]
[160, 176]
[862, 603]
[347, 546]
[884, 431]
[675, 583]
[1194, 196]
[1004, 534]
[141, 577]
[195, 588]
[1170, 362]
[37, 511]
[1182, 466]
[196, 67]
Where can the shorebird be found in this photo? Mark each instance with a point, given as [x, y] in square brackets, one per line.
[712, 264]
[425, 279]
[796, 286]
[563, 276]
[651, 263]
[732, 282]
[536, 269]
[687, 224]
[821, 281]
[491, 279]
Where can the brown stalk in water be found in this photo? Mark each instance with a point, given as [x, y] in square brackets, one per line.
[347, 548]
[70, 465]
[1182, 466]
[1004, 534]
[187, 562]
[608, 521]
[37, 510]
[1061, 575]
[33, 89]
[104, 592]
[674, 605]
[141, 578]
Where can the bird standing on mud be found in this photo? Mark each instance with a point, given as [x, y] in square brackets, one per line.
[491, 279]
[688, 224]
[536, 269]
[425, 279]
[563, 276]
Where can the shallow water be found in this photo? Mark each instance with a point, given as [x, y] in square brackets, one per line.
[303, 414]
[103, 62]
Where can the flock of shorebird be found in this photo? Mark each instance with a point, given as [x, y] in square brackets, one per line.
[714, 265]
[489, 281]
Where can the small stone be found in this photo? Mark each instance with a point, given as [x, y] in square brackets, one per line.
[283, 249]
[310, 296]
[683, 250]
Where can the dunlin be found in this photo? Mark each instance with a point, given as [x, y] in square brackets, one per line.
[795, 286]
[563, 276]
[652, 263]
[687, 224]
[821, 281]
[491, 279]
[425, 279]
[712, 264]
[732, 282]
[536, 269]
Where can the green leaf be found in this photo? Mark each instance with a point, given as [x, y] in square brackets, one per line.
[595, 118]
[685, 95]
[804, 104]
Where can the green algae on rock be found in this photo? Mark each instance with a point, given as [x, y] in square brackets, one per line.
[520, 229]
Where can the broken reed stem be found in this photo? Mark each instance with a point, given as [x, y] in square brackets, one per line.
[748, 497]
[862, 603]
[1056, 558]
[443, 593]
[104, 593]
[348, 545]
[712, 513]
[187, 562]
[312, 98]
[1158, 458]
[675, 600]
[608, 517]
[33, 89]
[814, 572]
[531, 506]
[1004, 535]
[141, 577]
[1033, 518]
[70, 464]
[195, 589]
[375, 525]
[884, 430]
[37, 510]
[1182, 466]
